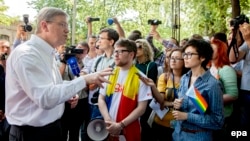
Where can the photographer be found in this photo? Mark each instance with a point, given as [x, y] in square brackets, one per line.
[243, 54]
[21, 36]
[4, 126]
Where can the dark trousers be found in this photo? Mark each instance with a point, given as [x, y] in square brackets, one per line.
[72, 119]
[161, 133]
[4, 130]
[50, 132]
[245, 110]
[146, 130]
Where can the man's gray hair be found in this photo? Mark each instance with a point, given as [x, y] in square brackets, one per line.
[47, 14]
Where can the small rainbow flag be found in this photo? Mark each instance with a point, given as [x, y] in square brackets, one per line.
[197, 99]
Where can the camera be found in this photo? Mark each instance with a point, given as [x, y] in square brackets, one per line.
[26, 27]
[239, 20]
[154, 22]
[94, 99]
[93, 19]
[3, 56]
[71, 51]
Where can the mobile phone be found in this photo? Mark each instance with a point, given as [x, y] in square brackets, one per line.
[137, 73]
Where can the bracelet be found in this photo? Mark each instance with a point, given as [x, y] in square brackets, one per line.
[122, 124]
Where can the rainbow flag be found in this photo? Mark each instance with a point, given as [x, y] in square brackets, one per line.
[197, 99]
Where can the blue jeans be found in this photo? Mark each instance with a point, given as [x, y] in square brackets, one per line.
[94, 112]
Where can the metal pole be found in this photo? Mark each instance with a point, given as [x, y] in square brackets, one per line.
[74, 23]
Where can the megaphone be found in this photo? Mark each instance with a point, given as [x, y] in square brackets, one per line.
[96, 130]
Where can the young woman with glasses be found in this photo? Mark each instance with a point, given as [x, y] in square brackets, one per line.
[165, 92]
[199, 107]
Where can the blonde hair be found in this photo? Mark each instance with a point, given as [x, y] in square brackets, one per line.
[147, 49]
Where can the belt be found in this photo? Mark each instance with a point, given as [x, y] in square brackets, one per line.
[26, 127]
[192, 131]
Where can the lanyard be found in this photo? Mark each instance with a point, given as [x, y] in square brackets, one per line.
[175, 91]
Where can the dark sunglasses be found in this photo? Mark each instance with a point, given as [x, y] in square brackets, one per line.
[140, 46]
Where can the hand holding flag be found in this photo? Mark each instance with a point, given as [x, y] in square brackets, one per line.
[197, 99]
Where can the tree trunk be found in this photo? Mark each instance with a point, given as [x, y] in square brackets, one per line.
[235, 8]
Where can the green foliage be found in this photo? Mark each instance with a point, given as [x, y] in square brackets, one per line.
[203, 17]
[5, 19]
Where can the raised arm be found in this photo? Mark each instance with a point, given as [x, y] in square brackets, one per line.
[119, 28]
[89, 25]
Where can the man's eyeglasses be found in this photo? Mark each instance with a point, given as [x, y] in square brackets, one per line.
[188, 55]
[62, 24]
[102, 38]
[120, 51]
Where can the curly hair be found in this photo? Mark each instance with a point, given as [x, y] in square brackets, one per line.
[147, 49]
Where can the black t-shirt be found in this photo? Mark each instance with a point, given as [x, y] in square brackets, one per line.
[152, 71]
[2, 88]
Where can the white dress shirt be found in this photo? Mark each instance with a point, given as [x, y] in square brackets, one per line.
[35, 91]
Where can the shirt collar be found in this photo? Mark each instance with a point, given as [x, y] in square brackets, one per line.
[204, 77]
[43, 45]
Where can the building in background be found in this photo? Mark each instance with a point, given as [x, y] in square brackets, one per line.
[9, 32]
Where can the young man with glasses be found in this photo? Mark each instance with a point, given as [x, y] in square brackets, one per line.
[123, 101]
[107, 39]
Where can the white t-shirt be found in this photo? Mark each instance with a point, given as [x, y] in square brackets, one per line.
[144, 93]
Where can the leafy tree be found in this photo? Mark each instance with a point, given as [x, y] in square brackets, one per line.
[5, 19]
[203, 17]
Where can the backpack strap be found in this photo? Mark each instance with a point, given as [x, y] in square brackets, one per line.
[97, 62]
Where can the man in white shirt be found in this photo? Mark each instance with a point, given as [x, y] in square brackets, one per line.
[123, 101]
[35, 91]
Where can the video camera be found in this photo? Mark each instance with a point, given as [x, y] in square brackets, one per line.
[93, 19]
[235, 23]
[239, 20]
[72, 51]
[154, 22]
[3, 56]
[26, 27]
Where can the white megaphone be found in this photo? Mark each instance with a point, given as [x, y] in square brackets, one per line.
[97, 130]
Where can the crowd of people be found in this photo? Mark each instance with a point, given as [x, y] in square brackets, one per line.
[193, 89]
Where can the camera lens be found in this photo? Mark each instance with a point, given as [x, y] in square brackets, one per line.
[28, 28]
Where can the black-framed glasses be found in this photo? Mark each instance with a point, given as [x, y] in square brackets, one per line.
[175, 59]
[188, 55]
[120, 51]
